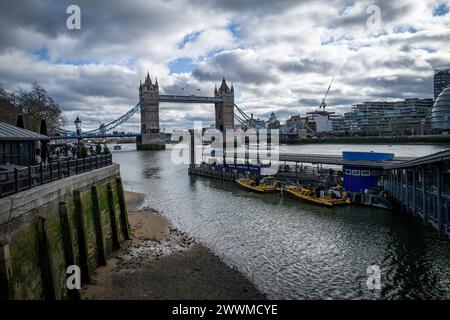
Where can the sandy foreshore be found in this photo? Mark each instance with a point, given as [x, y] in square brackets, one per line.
[161, 262]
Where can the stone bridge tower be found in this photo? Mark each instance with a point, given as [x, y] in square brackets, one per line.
[225, 109]
[151, 138]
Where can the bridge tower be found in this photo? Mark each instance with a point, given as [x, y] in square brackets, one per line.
[225, 109]
[151, 138]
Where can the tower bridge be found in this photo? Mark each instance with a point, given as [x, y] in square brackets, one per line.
[149, 99]
[149, 136]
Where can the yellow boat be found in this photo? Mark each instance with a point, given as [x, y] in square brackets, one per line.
[265, 185]
[334, 197]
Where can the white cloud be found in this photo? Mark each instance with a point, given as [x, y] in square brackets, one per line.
[280, 55]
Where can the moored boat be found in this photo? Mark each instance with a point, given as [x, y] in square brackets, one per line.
[265, 185]
[331, 198]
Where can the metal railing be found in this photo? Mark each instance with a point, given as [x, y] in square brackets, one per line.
[20, 179]
[426, 203]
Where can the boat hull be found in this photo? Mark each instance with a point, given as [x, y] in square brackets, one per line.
[256, 188]
[317, 201]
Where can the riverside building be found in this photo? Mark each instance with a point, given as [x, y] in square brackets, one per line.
[440, 115]
[441, 81]
[386, 118]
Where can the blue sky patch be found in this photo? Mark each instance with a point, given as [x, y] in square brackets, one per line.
[403, 29]
[430, 50]
[191, 37]
[235, 29]
[441, 10]
[181, 65]
[42, 54]
[79, 62]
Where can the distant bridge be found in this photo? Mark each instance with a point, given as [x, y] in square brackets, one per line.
[188, 99]
[226, 112]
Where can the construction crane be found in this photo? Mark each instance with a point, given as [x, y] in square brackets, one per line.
[323, 104]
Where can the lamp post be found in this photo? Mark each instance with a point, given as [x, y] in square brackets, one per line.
[78, 131]
[78, 126]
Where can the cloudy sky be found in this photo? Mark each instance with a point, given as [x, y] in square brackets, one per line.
[280, 55]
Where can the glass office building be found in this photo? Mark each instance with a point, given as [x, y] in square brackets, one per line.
[441, 81]
[440, 114]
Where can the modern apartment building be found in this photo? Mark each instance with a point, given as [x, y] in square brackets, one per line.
[441, 81]
[406, 117]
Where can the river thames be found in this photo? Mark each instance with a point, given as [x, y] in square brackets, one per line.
[294, 250]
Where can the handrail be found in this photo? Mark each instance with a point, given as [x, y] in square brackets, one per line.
[20, 179]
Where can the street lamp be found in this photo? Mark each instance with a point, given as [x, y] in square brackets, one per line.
[78, 126]
[78, 131]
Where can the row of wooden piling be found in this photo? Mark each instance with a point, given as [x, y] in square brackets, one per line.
[45, 262]
[216, 174]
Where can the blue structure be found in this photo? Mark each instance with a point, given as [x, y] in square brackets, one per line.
[240, 167]
[369, 156]
[358, 178]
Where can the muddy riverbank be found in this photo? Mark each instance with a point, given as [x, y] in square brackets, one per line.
[161, 262]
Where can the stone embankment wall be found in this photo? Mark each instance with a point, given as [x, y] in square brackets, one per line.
[79, 220]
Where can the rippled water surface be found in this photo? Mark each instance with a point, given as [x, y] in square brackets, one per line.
[292, 250]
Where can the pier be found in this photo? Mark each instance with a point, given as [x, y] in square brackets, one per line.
[420, 186]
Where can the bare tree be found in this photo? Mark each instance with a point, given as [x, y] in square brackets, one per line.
[40, 105]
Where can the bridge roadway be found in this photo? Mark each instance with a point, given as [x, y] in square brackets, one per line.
[96, 136]
[111, 135]
[188, 99]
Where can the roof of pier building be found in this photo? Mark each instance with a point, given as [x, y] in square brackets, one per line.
[426, 160]
[9, 132]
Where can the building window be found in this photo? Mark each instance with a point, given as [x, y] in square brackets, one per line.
[355, 173]
[348, 171]
[365, 173]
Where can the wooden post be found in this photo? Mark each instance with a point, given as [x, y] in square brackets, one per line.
[123, 209]
[402, 181]
[439, 199]
[192, 148]
[424, 197]
[30, 180]
[112, 217]
[41, 173]
[414, 192]
[397, 185]
[6, 289]
[235, 142]
[224, 147]
[406, 196]
[98, 227]
[246, 148]
[69, 254]
[44, 259]
[16, 180]
[82, 243]
[257, 147]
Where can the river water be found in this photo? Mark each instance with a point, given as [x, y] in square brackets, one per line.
[293, 250]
